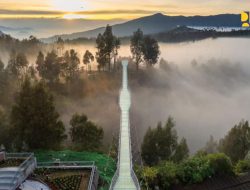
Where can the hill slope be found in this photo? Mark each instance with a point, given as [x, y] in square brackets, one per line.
[158, 23]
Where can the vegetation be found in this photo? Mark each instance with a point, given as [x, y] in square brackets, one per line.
[85, 134]
[44, 130]
[106, 165]
[211, 146]
[49, 68]
[17, 63]
[68, 182]
[107, 48]
[136, 47]
[4, 129]
[11, 163]
[150, 50]
[29, 115]
[242, 166]
[88, 58]
[192, 170]
[236, 143]
[70, 65]
[167, 161]
[161, 144]
[144, 48]
[64, 179]
[183, 33]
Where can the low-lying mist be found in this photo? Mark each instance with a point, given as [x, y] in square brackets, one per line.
[204, 86]
[204, 99]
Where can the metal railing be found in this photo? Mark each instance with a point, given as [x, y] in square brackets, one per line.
[24, 170]
[65, 164]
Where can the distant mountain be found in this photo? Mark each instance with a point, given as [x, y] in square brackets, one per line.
[158, 23]
[1, 33]
[183, 33]
[7, 29]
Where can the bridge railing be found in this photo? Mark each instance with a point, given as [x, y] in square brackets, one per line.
[124, 102]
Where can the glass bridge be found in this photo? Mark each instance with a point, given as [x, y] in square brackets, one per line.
[125, 178]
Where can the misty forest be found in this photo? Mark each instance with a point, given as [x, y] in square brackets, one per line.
[190, 101]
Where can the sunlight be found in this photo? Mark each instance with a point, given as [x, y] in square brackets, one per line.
[73, 16]
[69, 6]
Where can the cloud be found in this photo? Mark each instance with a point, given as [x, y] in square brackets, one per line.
[114, 12]
[94, 12]
[30, 12]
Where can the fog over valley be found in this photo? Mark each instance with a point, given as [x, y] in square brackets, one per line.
[204, 86]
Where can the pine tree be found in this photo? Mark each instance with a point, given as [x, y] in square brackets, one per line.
[136, 47]
[35, 122]
[182, 151]
[85, 134]
[236, 143]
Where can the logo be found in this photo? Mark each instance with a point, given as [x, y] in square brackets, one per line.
[245, 19]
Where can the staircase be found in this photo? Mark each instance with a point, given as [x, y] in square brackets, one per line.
[12, 177]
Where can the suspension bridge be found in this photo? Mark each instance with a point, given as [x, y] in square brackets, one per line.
[125, 178]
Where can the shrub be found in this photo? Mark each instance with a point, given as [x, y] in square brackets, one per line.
[220, 164]
[167, 174]
[242, 166]
[150, 176]
[194, 170]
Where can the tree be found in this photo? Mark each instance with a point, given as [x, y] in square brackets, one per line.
[107, 47]
[4, 129]
[70, 65]
[211, 146]
[109, 44]
[87, 59]
[60, 46]
[117, 45]
[182, 151]
[51, 69]
[85, 134]
[136, 47]
[151, 50]
[236, 143]
[40, 63]
[34, 120]
[31, 72]
[159, 143]
[17, 63]
[1, 65]
[101, 57]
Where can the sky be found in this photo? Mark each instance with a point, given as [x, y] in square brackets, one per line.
[116, 9]
[43, 18]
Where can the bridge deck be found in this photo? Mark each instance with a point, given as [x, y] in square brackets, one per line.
[125, 179]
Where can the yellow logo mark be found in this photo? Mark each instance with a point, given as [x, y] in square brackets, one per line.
[245, 19]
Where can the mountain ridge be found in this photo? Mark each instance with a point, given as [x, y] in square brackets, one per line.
[155, 24]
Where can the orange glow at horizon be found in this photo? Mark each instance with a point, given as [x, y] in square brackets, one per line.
[114, 9]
